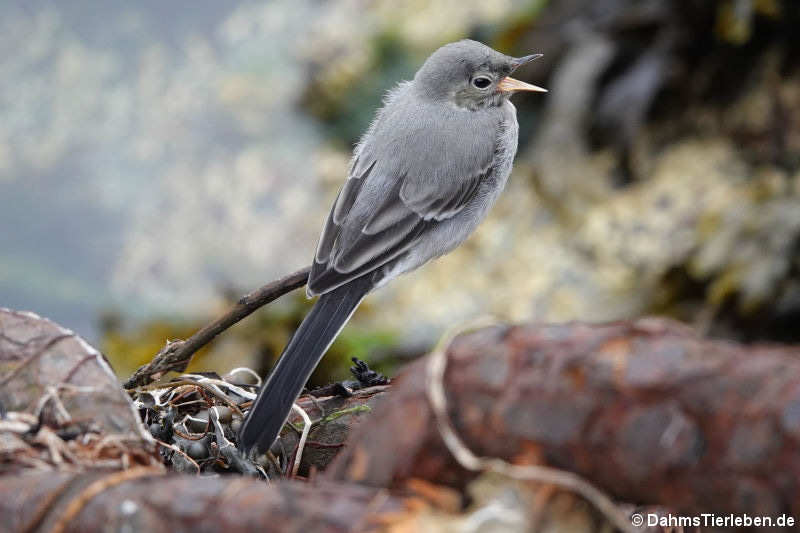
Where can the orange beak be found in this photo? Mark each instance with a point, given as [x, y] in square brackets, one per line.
[510, 85]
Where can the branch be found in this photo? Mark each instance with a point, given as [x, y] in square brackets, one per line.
[176, 355]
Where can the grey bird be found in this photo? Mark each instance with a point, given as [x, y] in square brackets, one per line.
[422, 178]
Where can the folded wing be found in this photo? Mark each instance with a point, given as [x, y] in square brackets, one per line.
[413, 171]
[355, 242]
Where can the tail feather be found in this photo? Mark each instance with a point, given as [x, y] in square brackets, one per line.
[299, 359]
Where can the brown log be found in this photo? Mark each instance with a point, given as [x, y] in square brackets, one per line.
[146, 501]
[647, 410]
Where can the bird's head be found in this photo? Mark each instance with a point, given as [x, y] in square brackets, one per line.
[469, 74]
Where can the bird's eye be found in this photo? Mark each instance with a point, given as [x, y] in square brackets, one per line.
[481, 82]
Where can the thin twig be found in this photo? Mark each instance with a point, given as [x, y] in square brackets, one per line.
[177, 354]
[186, 435]
[244, 370]
[303, 437]
[224, 384]
[236, 459]
[178, 450]
[210, 388]
[468, 460]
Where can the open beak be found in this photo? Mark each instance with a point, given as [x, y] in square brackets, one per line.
[510, 85]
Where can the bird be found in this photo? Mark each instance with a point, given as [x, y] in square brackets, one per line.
[424, 175]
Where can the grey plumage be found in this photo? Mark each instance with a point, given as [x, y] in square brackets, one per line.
[424, 175]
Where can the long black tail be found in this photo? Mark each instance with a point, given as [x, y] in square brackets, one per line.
[298, 360]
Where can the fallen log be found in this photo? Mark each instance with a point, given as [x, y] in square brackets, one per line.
[144, 500]
[647, 410]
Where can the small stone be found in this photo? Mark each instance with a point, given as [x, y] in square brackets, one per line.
[197, 450]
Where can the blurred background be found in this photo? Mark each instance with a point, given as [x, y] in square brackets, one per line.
[159, 159]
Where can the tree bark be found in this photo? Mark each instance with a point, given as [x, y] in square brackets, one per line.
[65, 503]
[647, 410]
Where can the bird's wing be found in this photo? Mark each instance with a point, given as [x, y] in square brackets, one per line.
[369, 227]
[416, 167]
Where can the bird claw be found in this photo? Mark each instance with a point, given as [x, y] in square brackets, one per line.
[365, 375]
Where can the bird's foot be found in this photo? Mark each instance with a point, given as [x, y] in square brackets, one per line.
[365, 375]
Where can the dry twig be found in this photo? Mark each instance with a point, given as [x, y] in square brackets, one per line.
[303, 437]
[179, 451]
[176, 354]
[209, 388]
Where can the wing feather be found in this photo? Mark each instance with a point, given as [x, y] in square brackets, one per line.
[348, 251]
[408, 175]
